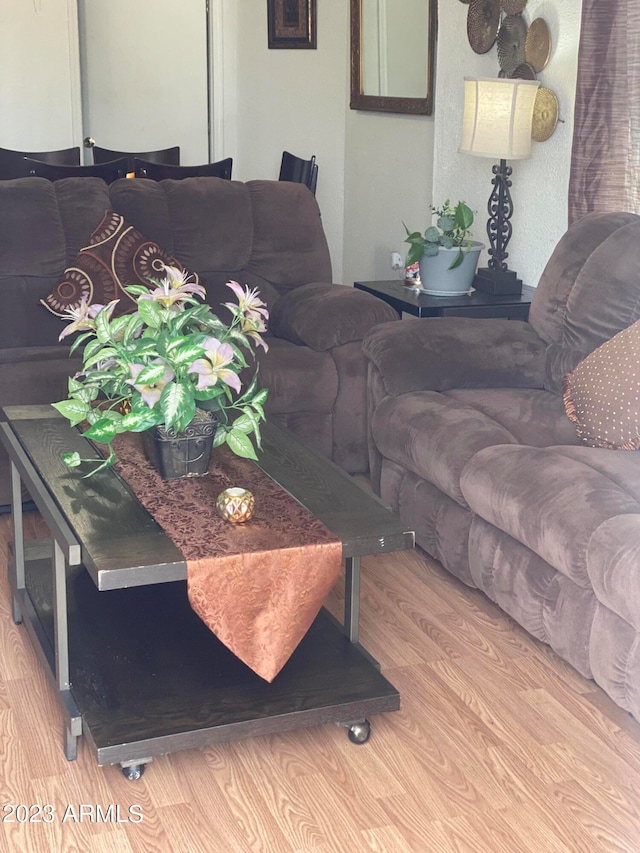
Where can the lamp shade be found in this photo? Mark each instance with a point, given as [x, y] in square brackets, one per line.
[497, 118]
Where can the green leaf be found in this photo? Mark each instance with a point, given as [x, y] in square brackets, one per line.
[432, 235]
[457, 260]
[100, 355]
[244, 423]
[240, 444]
[103, 331]
[463, 216]
[219, 437]
[177, 405]
[260, 398]
[91, 347]
[136, 289]
[133, 324]
[140, 420]
[186, 353]
[103, 430]
[72, 460]
[74, 410]
[150, 312]
[207, 397]
[151, 374]
[415, 254]
[79, 340]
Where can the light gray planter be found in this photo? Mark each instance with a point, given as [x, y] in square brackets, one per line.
[438, 280]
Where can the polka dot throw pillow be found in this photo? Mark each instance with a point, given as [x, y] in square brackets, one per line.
[602, 395]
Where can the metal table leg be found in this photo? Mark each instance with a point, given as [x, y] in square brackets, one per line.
[17, 580]
[352, 598]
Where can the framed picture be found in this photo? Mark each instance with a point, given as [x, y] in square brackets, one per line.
[292, 23]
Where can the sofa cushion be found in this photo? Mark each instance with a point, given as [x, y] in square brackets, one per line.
[298, 378]
[205, 222]
[613, 557]
[323, 316]
[602, 395]
[532, 416]
[289, 244]
[549, 499]
[117, 255]
[598, 255]
[415, 430]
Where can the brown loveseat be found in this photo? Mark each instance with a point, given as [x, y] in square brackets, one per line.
[470, 443]
[265, 234]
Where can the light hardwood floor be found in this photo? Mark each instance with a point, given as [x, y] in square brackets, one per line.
[499, 747]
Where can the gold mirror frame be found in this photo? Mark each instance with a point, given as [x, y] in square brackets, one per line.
[381, 103]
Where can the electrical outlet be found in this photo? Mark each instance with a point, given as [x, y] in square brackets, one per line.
[396, 261]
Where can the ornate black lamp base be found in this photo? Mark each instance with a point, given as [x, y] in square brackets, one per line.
[497, 281]
[497, 277]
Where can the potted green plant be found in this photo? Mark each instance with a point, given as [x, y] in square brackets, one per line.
[165, 366]
[447, 256]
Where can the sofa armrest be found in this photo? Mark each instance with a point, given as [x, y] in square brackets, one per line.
[440, 353]
[322, 315]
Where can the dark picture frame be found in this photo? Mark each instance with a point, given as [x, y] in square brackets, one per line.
[384, 103]
[292, 24]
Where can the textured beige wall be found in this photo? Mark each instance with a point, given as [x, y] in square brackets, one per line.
[540, 185]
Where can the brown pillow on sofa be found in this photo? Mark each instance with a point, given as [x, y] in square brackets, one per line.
[117, 255]
[602, 394]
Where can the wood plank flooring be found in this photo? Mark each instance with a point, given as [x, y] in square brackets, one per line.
[500, 747]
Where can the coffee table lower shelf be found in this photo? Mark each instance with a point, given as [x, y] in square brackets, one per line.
[149, 678]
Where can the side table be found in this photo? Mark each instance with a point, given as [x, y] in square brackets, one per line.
[474, 304]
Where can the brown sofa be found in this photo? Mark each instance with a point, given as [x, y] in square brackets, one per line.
[470, 443]
[265, 234]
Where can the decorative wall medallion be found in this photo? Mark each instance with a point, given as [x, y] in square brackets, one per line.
[524, 71]
[511, 39]
[537, 46]
[483, 21]
[545, 115]
[512, 7]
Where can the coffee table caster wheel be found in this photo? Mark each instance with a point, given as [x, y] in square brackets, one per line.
[359, 732]
[133, 772]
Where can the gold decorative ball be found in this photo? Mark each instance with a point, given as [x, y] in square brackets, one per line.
[236, 505]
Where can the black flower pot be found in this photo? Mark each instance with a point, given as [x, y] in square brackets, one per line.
[182, 454]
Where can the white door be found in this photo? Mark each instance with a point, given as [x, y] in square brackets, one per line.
[39, 97]
[144, 71]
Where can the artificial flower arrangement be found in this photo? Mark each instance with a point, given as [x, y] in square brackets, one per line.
[156, 365]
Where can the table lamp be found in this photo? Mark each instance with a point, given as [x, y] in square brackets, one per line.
[498, 114]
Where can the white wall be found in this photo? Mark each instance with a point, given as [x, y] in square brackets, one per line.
[294, 100]
[540, 185]
[388, 166]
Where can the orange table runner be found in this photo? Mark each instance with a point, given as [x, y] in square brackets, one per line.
[258, 585]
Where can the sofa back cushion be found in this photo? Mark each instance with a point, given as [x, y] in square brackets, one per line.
[266, 234]
[589, 290]
[42, 227]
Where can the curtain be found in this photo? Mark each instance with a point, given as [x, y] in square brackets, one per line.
[605, 156]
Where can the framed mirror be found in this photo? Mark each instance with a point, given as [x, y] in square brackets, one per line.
[392, 55]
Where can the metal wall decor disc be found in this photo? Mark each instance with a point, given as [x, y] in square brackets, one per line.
[483, 20]
[524, 71]
[511, 39]
[545, 115]
[512, 7]
[537, 46]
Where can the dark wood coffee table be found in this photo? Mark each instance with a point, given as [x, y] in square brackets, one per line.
[136, 671]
